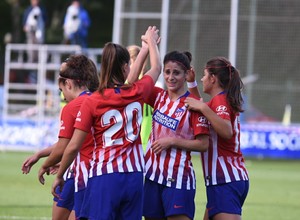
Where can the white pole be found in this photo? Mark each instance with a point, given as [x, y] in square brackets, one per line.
[233, 31]
[163, 31]
[117, 21]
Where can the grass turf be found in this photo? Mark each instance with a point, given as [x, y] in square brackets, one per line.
[274, 190]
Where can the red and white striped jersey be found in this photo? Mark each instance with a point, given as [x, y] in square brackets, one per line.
[80, 166]
[223, 162]
[116, 118]
[173, 167]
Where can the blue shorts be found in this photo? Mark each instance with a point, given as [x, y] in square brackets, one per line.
[114, 196]
[66, 197]
[226, 198]
[161, 201]
[78, 200]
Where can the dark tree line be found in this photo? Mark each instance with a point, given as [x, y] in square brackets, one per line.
[11, 13]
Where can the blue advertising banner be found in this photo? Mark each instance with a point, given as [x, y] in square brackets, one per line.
[27, 135]
[270, 141]
[261, 140]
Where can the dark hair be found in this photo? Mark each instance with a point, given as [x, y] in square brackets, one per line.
[182, 58]
[229, 79]
[82, 70]
[114, 56]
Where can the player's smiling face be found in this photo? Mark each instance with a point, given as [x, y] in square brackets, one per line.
[174, 76]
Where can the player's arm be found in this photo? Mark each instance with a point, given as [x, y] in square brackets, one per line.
[221, 126]
[68, 157]
[192, 83]
[137, 66]
[152, 38]
[199, 144]
[30, 161]
[53, 159]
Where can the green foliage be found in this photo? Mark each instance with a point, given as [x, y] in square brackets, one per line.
[11, 14]
[274, 190]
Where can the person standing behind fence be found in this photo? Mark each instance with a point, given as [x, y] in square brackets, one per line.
[34, 21]
[115, 186]
[224, 170]
[76, 24]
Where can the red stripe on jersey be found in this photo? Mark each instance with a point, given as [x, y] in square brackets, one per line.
[223, 162]
[172, 167]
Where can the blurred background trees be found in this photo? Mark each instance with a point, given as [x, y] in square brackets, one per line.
[11, 13]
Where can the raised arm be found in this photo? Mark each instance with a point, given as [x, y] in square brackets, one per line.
[137, 66]
[152, 38]
[192, 83]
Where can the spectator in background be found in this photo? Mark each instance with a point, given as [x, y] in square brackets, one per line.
[76, 24]
[34, 20]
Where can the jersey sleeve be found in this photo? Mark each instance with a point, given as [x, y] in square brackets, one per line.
[149, 91]
[221, 107]
[84, 119]
[199, 123]
[150, 100]
[66, 123]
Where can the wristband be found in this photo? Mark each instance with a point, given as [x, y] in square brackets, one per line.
[191, 84]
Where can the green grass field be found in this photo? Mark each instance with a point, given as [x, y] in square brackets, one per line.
[274, 190]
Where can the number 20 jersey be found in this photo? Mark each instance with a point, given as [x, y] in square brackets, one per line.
[116, 118]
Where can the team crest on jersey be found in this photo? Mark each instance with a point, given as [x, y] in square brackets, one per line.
[179, 112]
[165, 120]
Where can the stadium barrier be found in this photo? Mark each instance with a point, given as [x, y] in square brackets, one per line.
[259, 140]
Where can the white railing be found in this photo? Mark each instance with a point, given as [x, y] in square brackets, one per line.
[36, 100]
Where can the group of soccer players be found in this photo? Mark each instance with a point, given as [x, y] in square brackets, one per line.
[99, 146]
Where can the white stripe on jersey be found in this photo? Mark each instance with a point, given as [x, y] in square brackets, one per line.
[128, 162]
[84, 172]
[77, 171]
[225, 170]
[181, 172]
[215, 155]
[234, 167]
[236, 129]
[161, 166]
[170, 169]
[120, 164]
[99, 165]
[244, 173]
[109, 165]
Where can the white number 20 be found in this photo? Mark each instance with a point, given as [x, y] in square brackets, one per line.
[131, 117]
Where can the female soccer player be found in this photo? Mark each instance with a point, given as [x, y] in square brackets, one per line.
[170, 183]
[115, 186]
[77, 78]
[225, 174]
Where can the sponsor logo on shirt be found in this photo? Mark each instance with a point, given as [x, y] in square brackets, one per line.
[165, 120]
[78, 116]
[62, 127]
[202, 122]
[222, 110]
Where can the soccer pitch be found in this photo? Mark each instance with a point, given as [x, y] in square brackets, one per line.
[274, 190]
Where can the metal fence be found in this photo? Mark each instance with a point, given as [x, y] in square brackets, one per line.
[266, 43]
